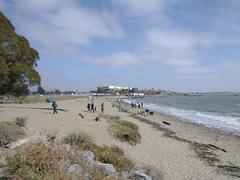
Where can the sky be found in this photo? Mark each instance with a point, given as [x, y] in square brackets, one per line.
[179, 45]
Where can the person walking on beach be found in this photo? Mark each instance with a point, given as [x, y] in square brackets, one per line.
[54, 105]
[102, 107]
[132, 104]
[92, 107]
[89, 107]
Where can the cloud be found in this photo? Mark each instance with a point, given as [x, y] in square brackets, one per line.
[141, 7]
[60, 25]
[117, 59]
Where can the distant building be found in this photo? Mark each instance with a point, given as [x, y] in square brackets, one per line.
[135, 94]
[114, 88]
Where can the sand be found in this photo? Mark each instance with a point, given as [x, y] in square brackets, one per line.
[180, 151]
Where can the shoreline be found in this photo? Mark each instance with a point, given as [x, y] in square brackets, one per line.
[185, 120]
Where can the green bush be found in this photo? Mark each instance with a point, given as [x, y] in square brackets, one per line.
[9, 132]
[21, 121]
[77, 138]
[125, 131]
[128, 124]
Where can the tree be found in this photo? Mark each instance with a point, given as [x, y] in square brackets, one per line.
[57, 91]
[40, 90]
[17, 61]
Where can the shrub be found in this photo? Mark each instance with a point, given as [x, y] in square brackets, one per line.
[38, 161]
[125, 131]
[9, 132]
[21, 121]
[112, 155]
[128, 124]
[77, 138]
[110, 117]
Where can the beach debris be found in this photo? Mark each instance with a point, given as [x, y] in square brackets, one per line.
[143, 113]
[217, 147]
[97, 118]
[167, 123]
[108, 169]
[80, 115]
[233, 171]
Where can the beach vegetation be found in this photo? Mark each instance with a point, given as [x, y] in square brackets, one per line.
[125, 131]
[21, 121]
[79, 139]
[110, 117]
[34, 99]
[111, 155]
[10, 132]
[38, 160]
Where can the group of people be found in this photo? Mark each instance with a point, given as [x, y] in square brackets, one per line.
[135, 105]
[92, 108]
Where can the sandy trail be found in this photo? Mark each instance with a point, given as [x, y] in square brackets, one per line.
[173, 154]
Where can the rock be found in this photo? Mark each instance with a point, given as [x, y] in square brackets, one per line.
[139, 176]
[18, 143]
[88, 157]
[88, 177]
[75, 170]
[124, 175]
[108, 169]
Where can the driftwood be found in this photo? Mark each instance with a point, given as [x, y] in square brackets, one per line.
[167, 123]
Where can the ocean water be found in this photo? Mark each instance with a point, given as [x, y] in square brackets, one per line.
[220, 111]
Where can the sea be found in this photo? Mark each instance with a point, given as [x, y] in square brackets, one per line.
[214, 110]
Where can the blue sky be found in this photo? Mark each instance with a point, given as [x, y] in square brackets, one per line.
[182, 45]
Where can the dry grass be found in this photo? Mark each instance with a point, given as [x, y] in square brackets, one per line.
[10, 132]
[112, 155]
[125, 131]
[38, 161]
[35, 99]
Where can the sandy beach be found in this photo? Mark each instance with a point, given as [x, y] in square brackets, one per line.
[180, 151]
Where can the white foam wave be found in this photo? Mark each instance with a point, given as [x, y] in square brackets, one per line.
[221, 121]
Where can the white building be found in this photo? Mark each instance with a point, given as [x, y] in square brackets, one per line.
[114, 88]
[119, 88]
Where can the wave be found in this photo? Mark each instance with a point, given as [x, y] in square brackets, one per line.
[229, 122]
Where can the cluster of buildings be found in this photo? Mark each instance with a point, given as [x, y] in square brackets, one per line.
[129, 91]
